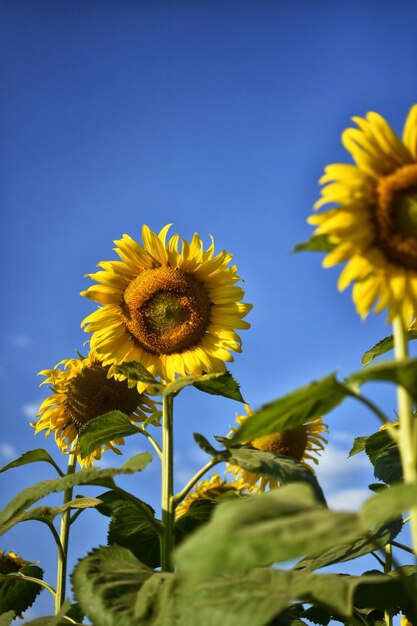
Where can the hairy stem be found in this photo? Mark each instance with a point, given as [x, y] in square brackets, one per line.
[168, 510]
[64, 537]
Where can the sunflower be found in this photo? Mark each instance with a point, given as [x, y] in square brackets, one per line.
[373, 223]
[10, 562]
[303, 443]
[211, 489]
[83, 390]
[175, 312]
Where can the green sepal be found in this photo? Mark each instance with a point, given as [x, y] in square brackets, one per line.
[32, 456]
[317, 243]
[133, 370]
[18, 594]
[224, 385]
[383, 346]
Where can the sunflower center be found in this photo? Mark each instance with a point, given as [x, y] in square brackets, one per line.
[292, 442]
[91, 394]
[166, 310]
[396, 216]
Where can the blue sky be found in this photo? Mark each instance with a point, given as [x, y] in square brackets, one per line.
[218, 117]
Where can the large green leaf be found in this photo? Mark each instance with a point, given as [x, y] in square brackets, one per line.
[18, 594]
[130, 529]
[276, 467]
[383, 454]
[198, 513]
[94, 476]
[353, 549]
[106, 584]
[282, 524]
[306, 403]
[32, 456]
[115, 589]
[388, 504]
[399, 372]
[383, 346]
[103, 429]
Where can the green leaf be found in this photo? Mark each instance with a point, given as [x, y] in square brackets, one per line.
[7, 618]
[205, 445]
[47, 514]
[17, 594]
[306, 403]
[130, 529]
[103, 429]
[358, 445]
[384, 346]
[399, 372]
[106, 584]
[265, 528]
[277, 467]
[388, 504]
[94, 476]
[317, 243]
[224, 385]
[387, 466]
[353, 549]
[199, 513]
[32, 456]
[68, 609]
[137, 372]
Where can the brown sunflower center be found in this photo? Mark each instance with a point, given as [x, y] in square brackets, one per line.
[292, 442]
[91, 394]
[166, 310]
[396, 216]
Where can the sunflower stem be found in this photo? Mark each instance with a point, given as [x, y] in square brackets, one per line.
[387, 569]
[61, 575]
[168, 510]
[407, 427]
[181, 494]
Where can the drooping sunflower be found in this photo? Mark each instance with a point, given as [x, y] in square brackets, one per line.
[175, 311]
[83, 390]
[303, 443]
[211, 489]
[11, 562]
[373, 221]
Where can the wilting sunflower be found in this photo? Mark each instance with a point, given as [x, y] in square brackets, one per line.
[373, 223]
[83, 390]
[10, 562]
[176, 312]
[211, 489]
[303, 443]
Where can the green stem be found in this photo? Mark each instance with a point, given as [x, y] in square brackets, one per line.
[368, 403]
[64, 537]
[151, 440]
[387, 569]
[168, 511]
[32, 579]
[181, 494]
[401, 546]
[407, 428]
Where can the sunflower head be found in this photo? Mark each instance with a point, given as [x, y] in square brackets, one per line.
[372, 220]
[304, 443]
[11, 563]
[173, 308]
[211, 489]
[83, 390]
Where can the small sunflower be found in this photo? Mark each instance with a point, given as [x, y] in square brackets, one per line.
[175, 312]
[83, 390]
[10, 562]
[303, 443]
[373, 223]
[210, 490]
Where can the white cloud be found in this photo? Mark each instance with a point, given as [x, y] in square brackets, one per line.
[336, 471]
[30, 409]
[348, 499]
[7, 451]
[20, 340]
[342, 436]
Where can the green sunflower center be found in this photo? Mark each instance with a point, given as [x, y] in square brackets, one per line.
[292, 442]
[91, 394]
[396, 216]
[166, 310]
